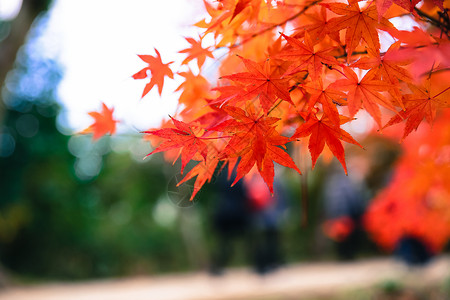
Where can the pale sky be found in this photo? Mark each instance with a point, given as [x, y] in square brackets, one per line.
[97, 42]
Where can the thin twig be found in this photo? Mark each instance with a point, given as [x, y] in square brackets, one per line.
[276, 25]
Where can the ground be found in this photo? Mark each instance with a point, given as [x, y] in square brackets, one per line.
[299, 281]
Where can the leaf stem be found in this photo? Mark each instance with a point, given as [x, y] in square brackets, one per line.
[444, 24]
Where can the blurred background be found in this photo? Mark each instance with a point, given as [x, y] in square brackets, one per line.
[72, 209]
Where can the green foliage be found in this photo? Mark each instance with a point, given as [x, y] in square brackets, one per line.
[56, 222]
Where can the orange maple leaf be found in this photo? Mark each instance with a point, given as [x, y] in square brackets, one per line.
[409, 5]
[181, 137]
[227, 94]
[384, 5]
[104, 123]
[328, 97]
[256, 141]
[262, 82]
[240, 6]
[305, 57]
[158, 71]
[364, 92]
[360, 24]
[203, 172]
[321, 131]
[425, 51]
[196, 51]
[420, 105]
[388, 68]
[227, 16]
[318, 29]
[194, 88]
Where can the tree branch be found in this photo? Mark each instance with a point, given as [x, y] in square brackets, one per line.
[276, 25]
[443, 22]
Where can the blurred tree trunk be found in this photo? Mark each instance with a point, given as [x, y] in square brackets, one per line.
[18, 29]
[194, 240]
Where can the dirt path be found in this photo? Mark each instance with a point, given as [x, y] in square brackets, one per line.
[300, 279]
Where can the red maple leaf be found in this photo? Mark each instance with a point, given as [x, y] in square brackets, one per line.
[240, 6]
[384, 5]
[328, 97]
[305, 57]
[104, 123]
[256, 141]
[364, 92]
[158, 71]
[388, 68]
[425, 51]
[318, 29]
[261, 82]
[321, 131]
[182, 137]
[193, 87]
[227, 94]
[360, 24]
[203, 172]
[418, 106]
[196, 51]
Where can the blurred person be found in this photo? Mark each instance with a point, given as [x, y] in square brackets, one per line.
[268, 213]
[413, 251]
[230, 221]
[346, 198]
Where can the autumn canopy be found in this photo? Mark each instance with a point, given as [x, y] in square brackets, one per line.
[294, 72]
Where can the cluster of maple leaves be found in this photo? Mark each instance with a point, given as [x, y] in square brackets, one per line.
[294, 73]
[416, 202]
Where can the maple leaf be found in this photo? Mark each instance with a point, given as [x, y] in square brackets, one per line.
[158, 71]
[305, 57]
[321, 131]
[318, 29]
[328, 97]
[182, 137]
[240, 6]
[212, 118]
[409, 5]
[225, 9]
[194, 87]
[203, 172]
[261, 82]
[104, 123]
[384, 5]
[389, 68]
[416, 201]
[227, 17]
[196, 51]
[256, 141]
[227, 94]
[420, 105]
[359, 24]
[364, 92]
[439, 3]
[423, 50]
